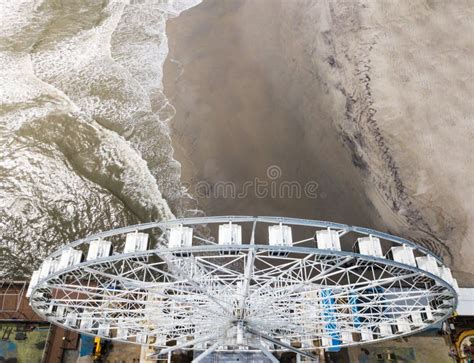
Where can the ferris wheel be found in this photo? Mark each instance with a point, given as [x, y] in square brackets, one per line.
[247, 284]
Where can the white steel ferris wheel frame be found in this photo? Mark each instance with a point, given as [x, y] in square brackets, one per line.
[248, 295]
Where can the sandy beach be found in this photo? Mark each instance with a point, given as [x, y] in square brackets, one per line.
[303, 86]
[237, 115]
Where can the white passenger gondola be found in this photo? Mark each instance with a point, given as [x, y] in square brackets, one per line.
[230, 234]
[160, 339]
[279, 235]
[416, 319]
[428, 263]
[33, 282]
[402, 326]
[305, 344]
[69, 257]
[87, 324]
[326, 341]
[122, 331]
[56, 310]
[403, 254]
[71, 320]
[99, 248]
[346, 337]
[136, 242]
[180, 237]
[103, 330]
[141, 338]
[47, 268]
[427, 314]
[444, 304]
[369, 246]
[446, 275]
[366, 334]
[328, 239]
[385, 329]
[61, 311]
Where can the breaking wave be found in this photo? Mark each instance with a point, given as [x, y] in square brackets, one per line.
[84, 138]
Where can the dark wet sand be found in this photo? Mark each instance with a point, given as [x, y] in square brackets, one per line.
[226, 76]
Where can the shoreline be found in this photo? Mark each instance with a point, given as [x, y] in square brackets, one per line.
[233, 122]
[255, 89]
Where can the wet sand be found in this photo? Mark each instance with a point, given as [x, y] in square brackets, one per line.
[240, 110]
[368, 100]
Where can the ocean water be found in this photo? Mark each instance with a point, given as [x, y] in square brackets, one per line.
[84, 123]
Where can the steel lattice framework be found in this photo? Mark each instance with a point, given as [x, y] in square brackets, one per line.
[244, 295]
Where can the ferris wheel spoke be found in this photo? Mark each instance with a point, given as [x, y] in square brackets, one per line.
[296, 288]
[220, 270]
[281, 272]
[343, 294]
[223, 304]
[275, 270]
[100, 293]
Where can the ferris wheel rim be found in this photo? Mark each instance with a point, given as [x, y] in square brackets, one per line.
[260, 248]
[162, 225]
[246, 248]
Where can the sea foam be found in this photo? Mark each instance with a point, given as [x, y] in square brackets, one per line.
[84, 138]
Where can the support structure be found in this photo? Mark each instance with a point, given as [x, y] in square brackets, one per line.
[264, 284]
